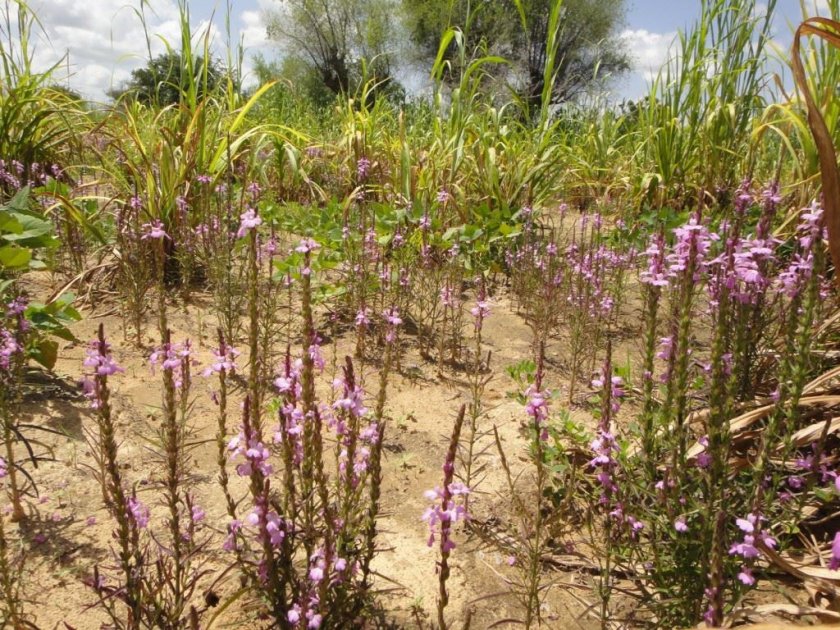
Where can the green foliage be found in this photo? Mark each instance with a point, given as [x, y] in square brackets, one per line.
[164, 80]
[48, 321]
[23, 232]
[27, 235]
[702, 105]
[38, 122]
[585, 40]
[343, 42]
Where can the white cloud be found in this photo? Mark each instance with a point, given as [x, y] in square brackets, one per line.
[648, 50]
[99, 42]
[253, 29]
[254, 38]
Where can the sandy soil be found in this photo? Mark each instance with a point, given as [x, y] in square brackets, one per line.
[63, 543]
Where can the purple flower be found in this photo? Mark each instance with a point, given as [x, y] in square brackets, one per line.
[746, 577]
[172, 357]
[249, 220]
[751, 527]
[230, 540]
[138, 512]
[363, 317]
[315, 355]
[294, 614]
[392, 318]
[447, 296]
[16, 306]
[352, 401]
[254, 189]
[745, 549]
[307, 245]
[224, 359]
[480, 312]
[834, 562]
[442, 510]
[9, 347]
[666, 347]
[537, 406]
[154, 230]
[692, 245]
[680, 525]
[362, 167]
[655, 275]
[197, 514]
[103, 363]
[253, 452]
[795, 482]
[275, 527]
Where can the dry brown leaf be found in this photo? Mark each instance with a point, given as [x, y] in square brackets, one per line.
[827, 30]
[789, 610]
[814, 431]
[813, 576]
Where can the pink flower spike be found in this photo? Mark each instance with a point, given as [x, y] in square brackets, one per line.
[834, 563]
[680, 525]
[249, 221]
[746, 577]
[306, 245]
[154, 230]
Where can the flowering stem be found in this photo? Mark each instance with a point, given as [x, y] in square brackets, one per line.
[373, 506]
[535, 541]
[11, 610]
[652, 298]
[127, 536]
[445, 525]
[221, 432]
[18, 513]
[253, 333]
[173, 448]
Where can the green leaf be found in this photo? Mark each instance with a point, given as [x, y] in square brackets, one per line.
[14, 257]
[447, 236]
[46, 353]
[20, 202]
[9, 224]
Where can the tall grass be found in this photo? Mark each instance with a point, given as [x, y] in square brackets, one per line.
[391, 224]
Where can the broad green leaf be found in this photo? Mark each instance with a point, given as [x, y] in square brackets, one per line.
[14, 257]
[46, 353]
[9, 224]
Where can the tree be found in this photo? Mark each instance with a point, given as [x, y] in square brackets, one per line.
[163, 80]
[334, 37]
[588, 46]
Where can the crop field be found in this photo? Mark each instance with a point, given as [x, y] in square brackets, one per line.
[466, 360]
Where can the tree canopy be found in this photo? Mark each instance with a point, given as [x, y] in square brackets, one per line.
[588, 46]
[339, 43]
[164, 79]
[334, 37]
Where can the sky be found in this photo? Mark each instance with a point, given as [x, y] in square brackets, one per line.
[101, 41]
